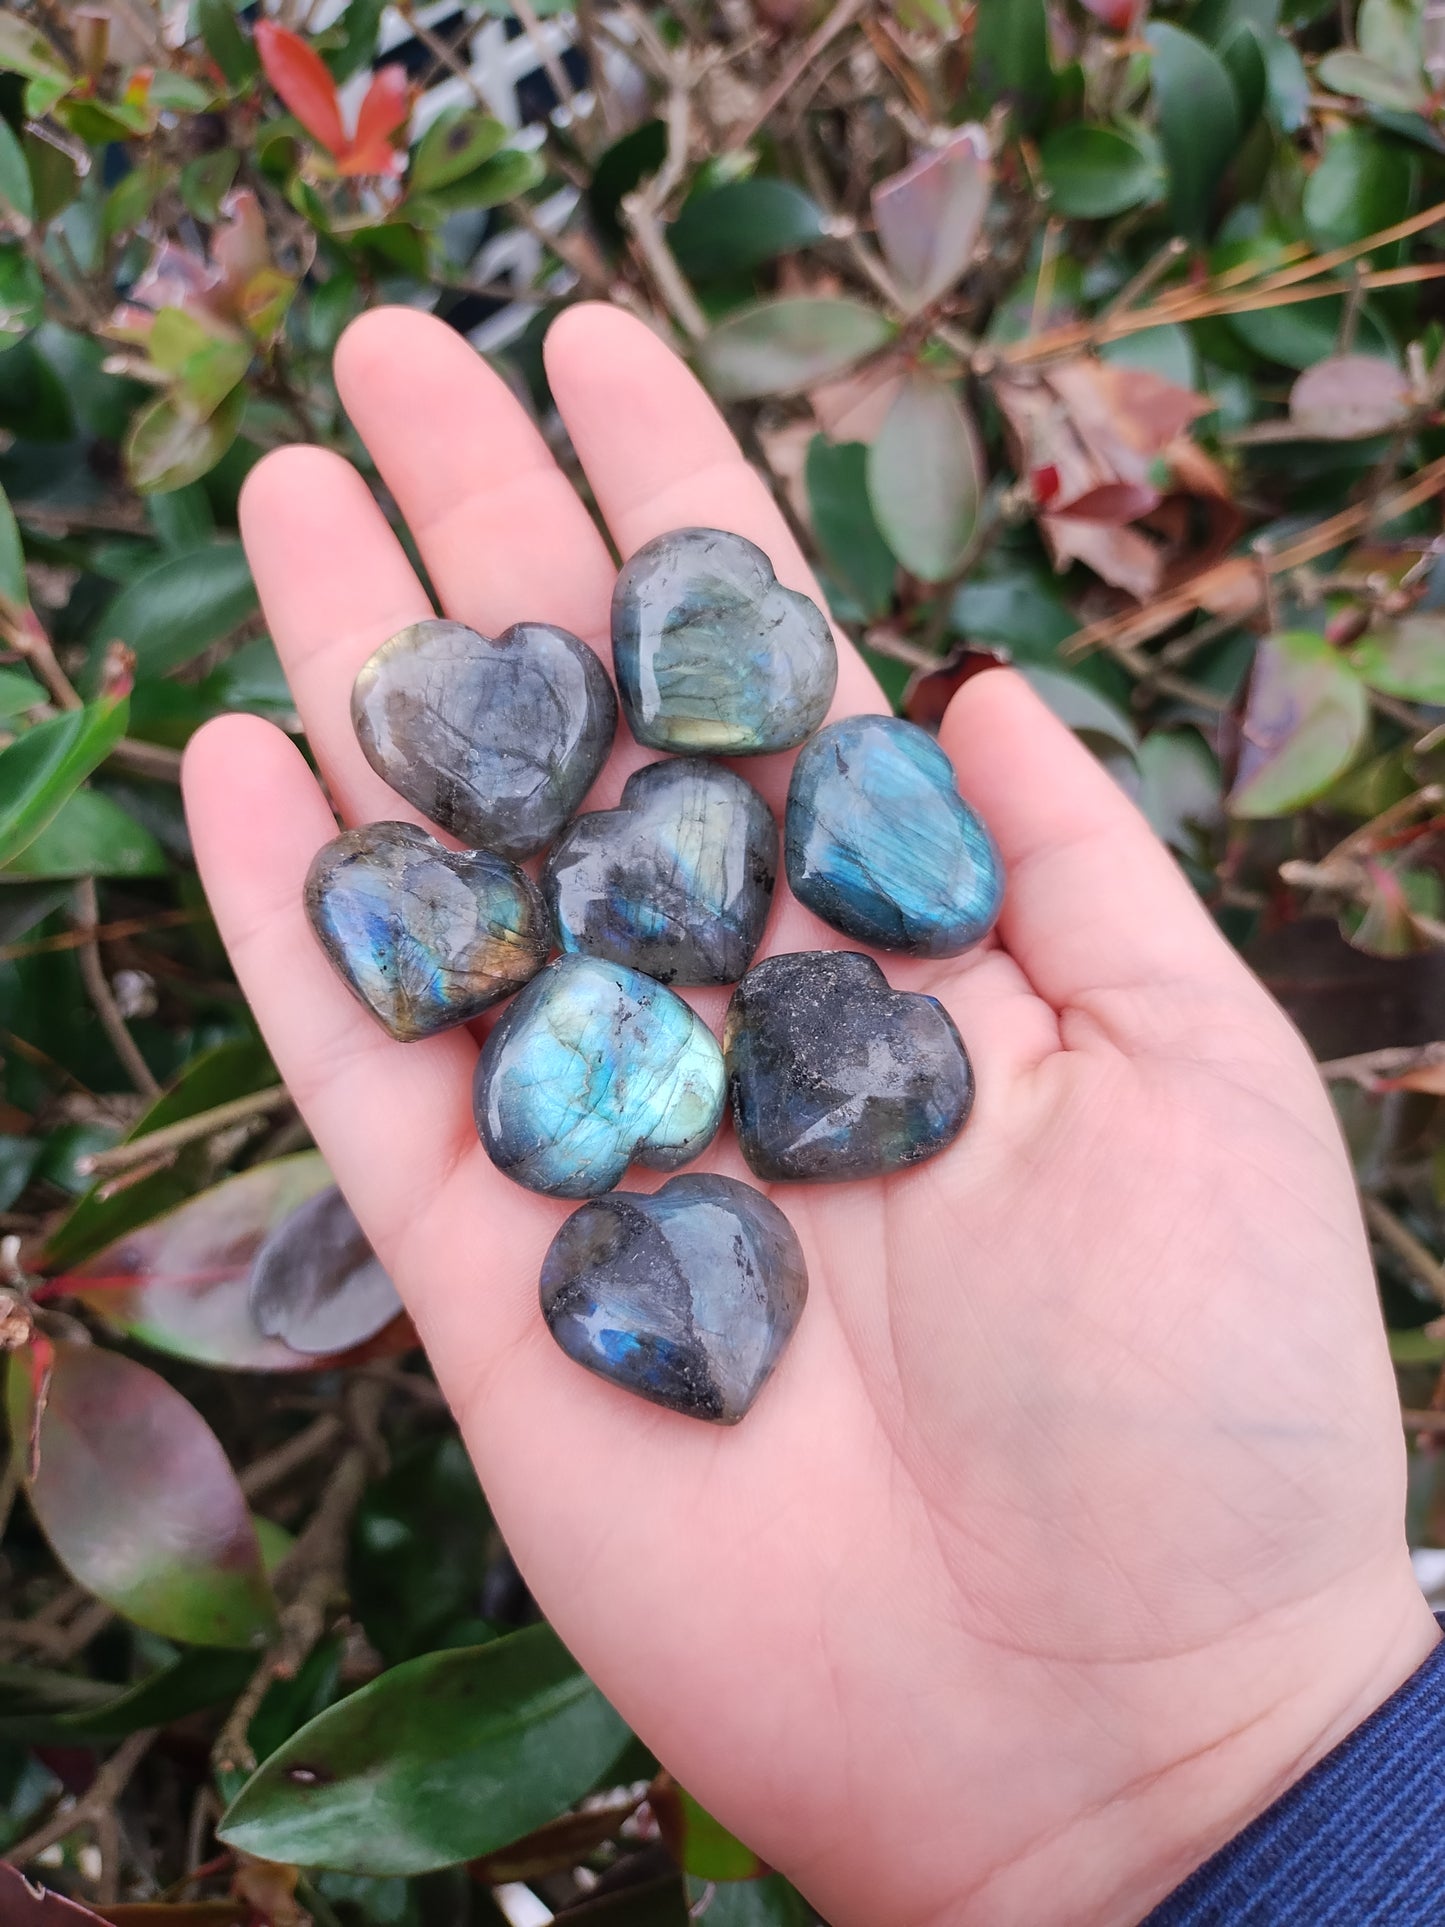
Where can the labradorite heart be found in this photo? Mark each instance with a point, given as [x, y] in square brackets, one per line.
[676, 881]
[712, 653]
[424, 936]
[879, 843]
[496, 739]
[834, 1074]
[592, 1066]
[686, 1297]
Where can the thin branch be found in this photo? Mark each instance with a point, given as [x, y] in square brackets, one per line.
[1415, 1256]
[104, 1790]
[1369, 1068]
[276, 1466]
[546, 53]
[843, 15]
[188, 1130]
[97, 985]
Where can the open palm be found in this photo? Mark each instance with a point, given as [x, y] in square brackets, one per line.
[1069, 1529]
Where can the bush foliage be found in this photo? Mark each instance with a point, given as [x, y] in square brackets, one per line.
[1101, 338]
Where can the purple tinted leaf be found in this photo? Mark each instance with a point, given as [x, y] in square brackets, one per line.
[1305, 719]
[929, 217]
[926, 477]
[316, 1284]
[1346, 397]
[25, 1905]
[138, 1500]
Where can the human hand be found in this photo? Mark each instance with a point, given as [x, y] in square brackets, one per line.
[1069, 1531]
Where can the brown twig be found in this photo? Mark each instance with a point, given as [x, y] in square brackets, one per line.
[104, 1790]
[187, 1130]
[1417, 1257]
[274, 1467]
[1369, 1068]
[97, 985]
[843, 15]
[105, 933]
[311, 1577]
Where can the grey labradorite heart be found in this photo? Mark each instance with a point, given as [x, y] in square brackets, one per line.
[592, 1066]
[879, 843]
[712, 653]
[499, 740]
[686, 1298]
[424, 936]
[835, 1075]
[676, 881]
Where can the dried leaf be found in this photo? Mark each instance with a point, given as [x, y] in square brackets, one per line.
[1305, 719]
[316, 1284]
[929, 216]
[1346, 397]
[1121, 555]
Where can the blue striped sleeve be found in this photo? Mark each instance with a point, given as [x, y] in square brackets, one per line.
[1358, 1842]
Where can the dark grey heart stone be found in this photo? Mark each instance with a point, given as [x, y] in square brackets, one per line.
[424, 936]
[686, 1298]
[676, 881]
[497, 740]
[833, 1074]
[712, 653]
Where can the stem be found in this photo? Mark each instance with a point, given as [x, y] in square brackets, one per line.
[188, 1130]
[104, 1791]
[97, 984]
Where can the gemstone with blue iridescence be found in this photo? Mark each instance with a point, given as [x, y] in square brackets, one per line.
[496, 739]
[686, 1297]
[591, 1067]
[712, 653]
[879, 843]
[425, 937]
[834, 1074]
[676, 881]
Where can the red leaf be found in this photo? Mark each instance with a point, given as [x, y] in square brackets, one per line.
[1046, 484]
[385, 108]
[24, 1905]
[298, 73]
[1119, 16]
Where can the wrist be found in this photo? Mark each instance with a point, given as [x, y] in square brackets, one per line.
[1249, 1723]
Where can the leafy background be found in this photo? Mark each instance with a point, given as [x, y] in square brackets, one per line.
[1098, 337]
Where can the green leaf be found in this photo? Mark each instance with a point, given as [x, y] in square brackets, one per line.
[1405, 658]
[1020, 608]
[1096, 172]
[1011, 57]
[1289, 84]
[180, 1283]
[1363, 183]
[233, 51]
[18, 1158]
[22, 294]
[926, 478]
[1166, 351]
[458, 140]
[505, 177]
[1101, 724]
[1305, 720]
[440, 1760]
[45, 766]
[1389, 33]
[25, 50]
[844, 523]
[206, 366]
[737, 227]
[90, 836]
[129, 201]
[1199, 123]
[16, 192]
[360, 26]
[1180, 787]
[778, 347]
[177, 93]
[181, 606]
[138, 1500]
[419, 1551]
[700, 1845]
[13, 586]
[182, 518]
[769, 1902]
[1346, 72]
[165, 448]
[188, 1685]
[205, 181]
[1244, 61]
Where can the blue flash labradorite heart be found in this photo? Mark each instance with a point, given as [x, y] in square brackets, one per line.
[833, 1074]
[499, 740]
[593, 1066]
[424, 936]
[879, 843]
[712, 653]
[686, 1298]
[676, 881]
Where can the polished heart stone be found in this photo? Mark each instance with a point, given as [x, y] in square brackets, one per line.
[497, 740]
[593, 1066]
[712, 653]
[424, 936]
[686, 1297]
[676, 881]
[881, 845]
[833, 1074]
